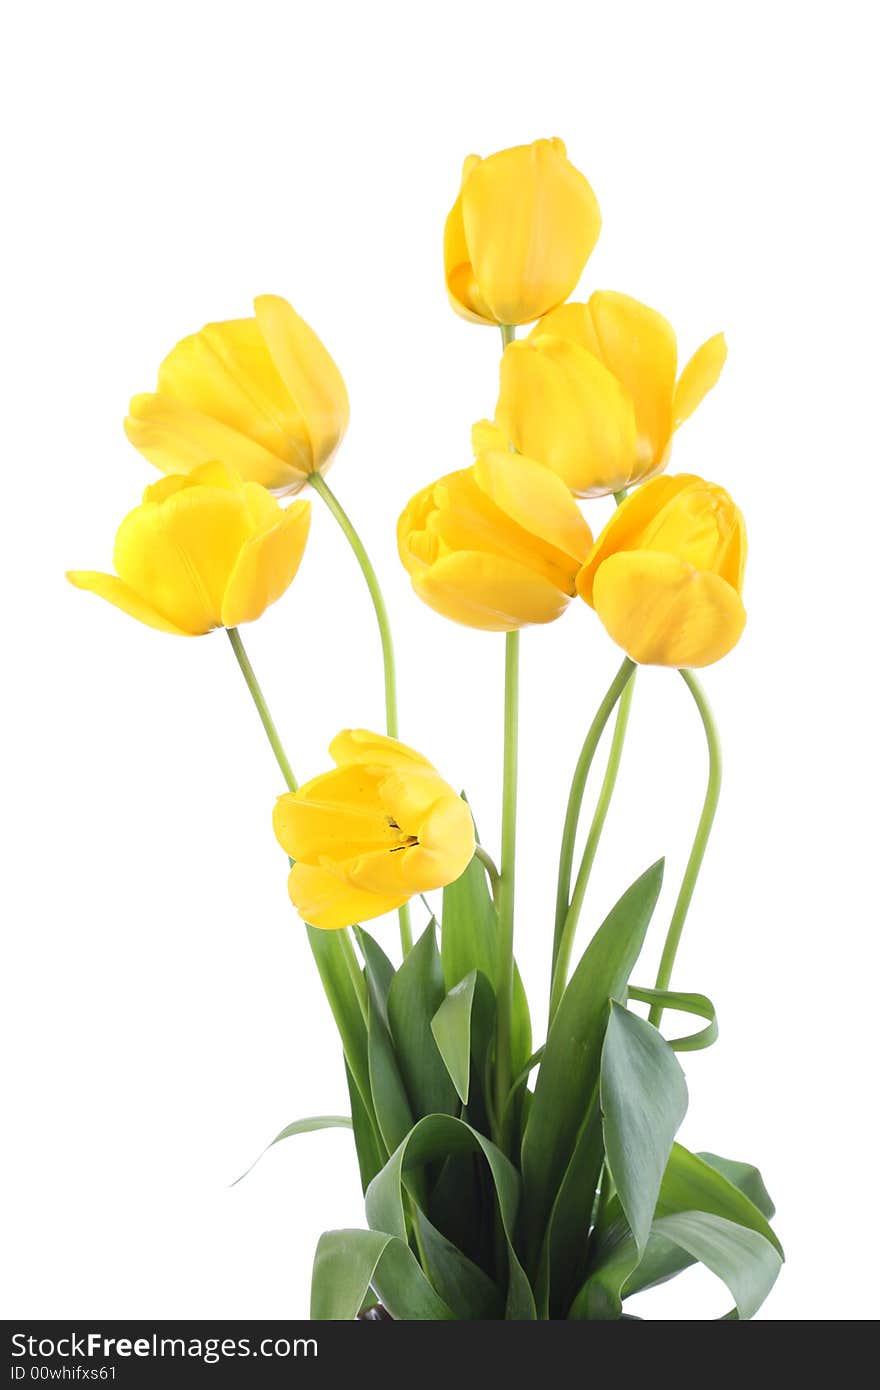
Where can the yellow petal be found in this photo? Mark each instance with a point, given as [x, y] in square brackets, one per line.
[180, 553]
[266, 566]
[638, 345]
[572, 321]
[626, 526]
[561, 406]
[362, 746]
[325, 901]
[176, 439]
[309, 373]
[333, 817]
[535, 498]
[485, 434]
[461, 285]
[122, 596]
[530, 220]
[487, 592]
[663, 612]
[227, 373]
[699, 376]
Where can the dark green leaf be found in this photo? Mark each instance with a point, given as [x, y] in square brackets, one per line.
[469, 938]
[467, 1290]
[696, 1004]
[414, 996]
[368, 1144]
[643, 1096]
[569, 1070]
[348, 1262]
[389, 1094]
[451, 1026]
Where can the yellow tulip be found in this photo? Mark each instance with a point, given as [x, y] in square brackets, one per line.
[202, 550]
[495, 546]
[666, 574]
[368, 836]
[592, 392]
[519, 234]
[263, 394]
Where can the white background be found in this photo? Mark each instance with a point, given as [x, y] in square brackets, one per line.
[169, 161]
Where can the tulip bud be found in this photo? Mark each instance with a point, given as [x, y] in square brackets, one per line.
[203, 550]
[592, 392]
[666, 574]
[495, 546]
[263, 394]
[519, 234]
[368, 836]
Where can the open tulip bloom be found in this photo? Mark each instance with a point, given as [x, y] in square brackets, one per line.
[504, 1176]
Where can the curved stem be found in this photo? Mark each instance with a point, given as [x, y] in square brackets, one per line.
[701, 839]
[328, 497]
[576, 796]
[491, 868]
[569, 929]
[259, 700]
[505, 895]
[508, 333]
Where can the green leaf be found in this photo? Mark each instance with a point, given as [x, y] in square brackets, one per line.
[691, 1183]
[378, 968]
[469, 939]
[390, 1101]
[461, 1284]
[307, 1126]
[451, 1026]
[367, 1142]
[746, 1262]
[643, 1096]
[436, 1137]
[414, 996]
[348, 1262]
[696, 1004]
[569, 1070]
[564, 1257]
[328, 951]
[520, 1024]
[746, 1177]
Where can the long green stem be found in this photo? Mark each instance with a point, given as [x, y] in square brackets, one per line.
[329, 498]
[576, 796]
[506, 881]
[701, 839]
[259, 700]
[569, 928]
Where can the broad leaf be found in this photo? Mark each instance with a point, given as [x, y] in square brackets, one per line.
[307, 1126]
[451, 1026]
[569, 1070]
[390, 1101]
[747, 1263]
[746, 1177]
[414, 996]
[347, 1263]
[643, 1096]
[371, 1153]
[437, 1137]
[461, 1284]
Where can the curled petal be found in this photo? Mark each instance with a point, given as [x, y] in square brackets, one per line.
[699, 376]
[122, 596]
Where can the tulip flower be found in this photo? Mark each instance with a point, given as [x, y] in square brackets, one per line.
[203, 550]
[263, 394]
[519, 234]
[369, 835]
[495, 546]
[592, 392]
[666, 574]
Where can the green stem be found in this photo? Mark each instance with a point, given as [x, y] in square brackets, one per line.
[506, 884]
[318, 482]
[490, 866]
[701, 839]
[259, 700]
[508, 333]
[576, 796]
[572, 916]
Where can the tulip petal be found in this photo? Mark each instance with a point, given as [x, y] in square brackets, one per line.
[334, 816]
[572, 321]
[309, 374]
[664, 612]
[361, 746]
[176, 439]
[627, 524]
[700, 374]
[638, 345]
[535, 498]
[561, 406]
[485, 434]
[266, 566]
[324, 901]
[123, 596]
[179, 553]
[487, 592]
[530, 221]
[461, 284]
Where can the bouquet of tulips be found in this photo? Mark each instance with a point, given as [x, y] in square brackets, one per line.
[503, 1178]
